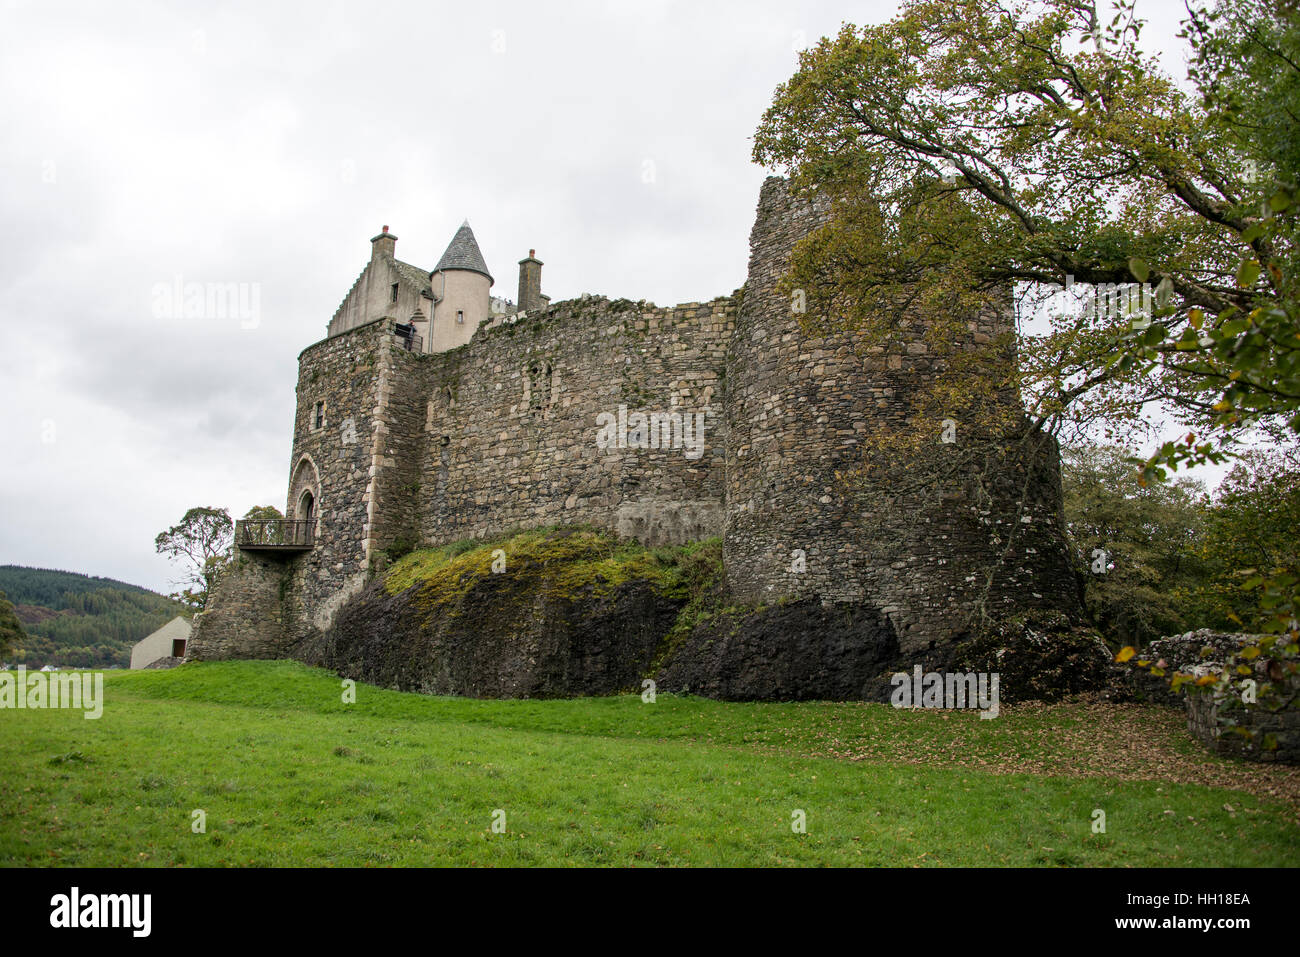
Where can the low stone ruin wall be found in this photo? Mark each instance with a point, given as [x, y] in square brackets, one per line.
[1217, 719]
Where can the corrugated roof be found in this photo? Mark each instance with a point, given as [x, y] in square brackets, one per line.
[463, 253]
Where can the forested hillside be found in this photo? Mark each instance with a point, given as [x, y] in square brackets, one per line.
[81, 621]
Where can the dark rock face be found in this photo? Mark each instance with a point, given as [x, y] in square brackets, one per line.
[799, 651]
[488, 646]
[1039, 656]
[557, 625]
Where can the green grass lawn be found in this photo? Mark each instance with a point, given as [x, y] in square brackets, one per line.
[288, 774]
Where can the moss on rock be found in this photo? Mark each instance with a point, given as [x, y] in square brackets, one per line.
[556, 611]
[569, 611]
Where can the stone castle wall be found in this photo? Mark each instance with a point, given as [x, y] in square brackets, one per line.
[1272, 731]
[505, 433]
[511, 430]
[342, 463]
[500, 434]
[247, 612]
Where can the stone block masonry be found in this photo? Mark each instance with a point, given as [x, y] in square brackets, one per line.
[246, 616]
[1216, 716]
[803, 518]
[664, 424]
[513, 423]
[1273, 733]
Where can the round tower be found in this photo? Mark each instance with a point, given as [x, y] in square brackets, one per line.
[462, 294]
[803, 515]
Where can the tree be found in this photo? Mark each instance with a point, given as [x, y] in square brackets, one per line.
[972, 147]
[968, 149]
[263, 513]
[1251, 537]
[11, 629]
[201, 542]
[270, 531]
[1140, 550]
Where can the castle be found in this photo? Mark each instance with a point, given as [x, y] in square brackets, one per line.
[443, 308]
[433, 413]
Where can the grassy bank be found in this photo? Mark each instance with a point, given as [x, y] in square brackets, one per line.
[287, 773]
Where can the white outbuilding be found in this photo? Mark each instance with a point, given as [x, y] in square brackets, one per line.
[167, 642]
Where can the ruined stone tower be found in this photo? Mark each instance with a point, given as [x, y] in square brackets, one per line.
[803, 518]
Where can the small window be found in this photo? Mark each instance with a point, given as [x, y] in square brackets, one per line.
[540, 382]
[178, 647]
[394, 292]
[460, 315]
[319, 419]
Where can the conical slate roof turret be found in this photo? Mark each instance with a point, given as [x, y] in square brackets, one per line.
[463, 253]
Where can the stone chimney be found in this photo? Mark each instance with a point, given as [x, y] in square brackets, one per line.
[384, 244]
[530, 283]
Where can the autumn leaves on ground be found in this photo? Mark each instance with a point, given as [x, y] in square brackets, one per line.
[285, 772]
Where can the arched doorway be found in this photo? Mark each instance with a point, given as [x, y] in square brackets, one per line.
[307, 506]
[304, 496]
[307, 512]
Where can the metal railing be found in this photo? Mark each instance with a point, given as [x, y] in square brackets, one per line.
[407, 337]
[275, 533]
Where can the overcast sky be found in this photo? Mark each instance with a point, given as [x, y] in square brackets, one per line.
[262, 143]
